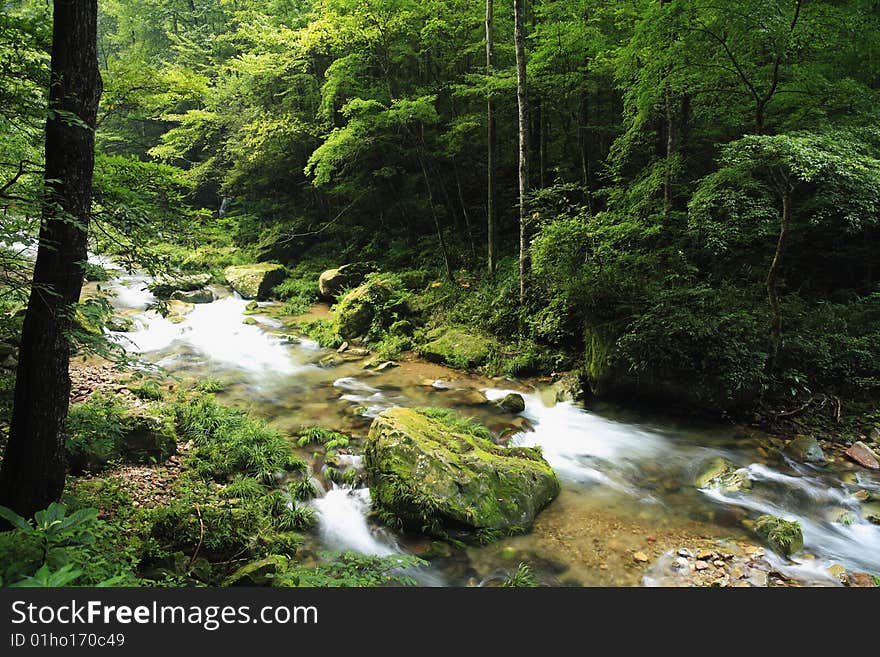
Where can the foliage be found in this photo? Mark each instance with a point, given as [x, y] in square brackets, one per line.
[348, 569]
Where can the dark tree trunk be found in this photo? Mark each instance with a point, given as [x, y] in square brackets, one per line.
[523, 104]
[773, 278]
[492, 155]
[34, 465]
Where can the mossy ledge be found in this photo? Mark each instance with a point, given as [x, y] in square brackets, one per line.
[430, 471]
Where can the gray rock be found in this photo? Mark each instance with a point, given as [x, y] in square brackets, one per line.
[805, 449]
[202, 295]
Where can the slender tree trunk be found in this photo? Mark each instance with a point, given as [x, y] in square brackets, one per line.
[464, 212]
[773, 277]
[443, 249]
[492, 155]
[34, 465]
[523, 104]
[541, 120]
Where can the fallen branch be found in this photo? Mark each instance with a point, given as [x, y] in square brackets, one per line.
[797, 410]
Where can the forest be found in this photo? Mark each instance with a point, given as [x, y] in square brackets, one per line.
[440, 293]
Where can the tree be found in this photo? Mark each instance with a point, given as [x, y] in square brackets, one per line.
[522, 98]
[833, 175]
[492, 142]
[34, 465]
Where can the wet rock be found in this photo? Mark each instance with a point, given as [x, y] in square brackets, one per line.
[680, 563]
[358, 352]
[331, 360]
[428, 474]
[202, 295]
[387, 365]
[861, 580]
[333, 282]
[874, 435]
[456, 347]
[343, 347]
[701, 565]
[249, 321]
[871, 512]
[120, 324]
[838, 572]
[469, 397]
[684, 552]
[784, 536]
[164, 286]
[711, 471]
[254, 281]
[511, 403]
[863, 455]
[252, 306]
[805, 449]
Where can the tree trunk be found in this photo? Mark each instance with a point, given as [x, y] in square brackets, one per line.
[773, 277]
[34, 465]
[443, 250]
[492, 155]
[523, 104]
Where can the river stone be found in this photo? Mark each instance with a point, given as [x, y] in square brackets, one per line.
[333, 282]
[456, 347]
[202, 295]
[164, 286]
[511, 403]
[711, 471]
[254, 281]
[871, 512]
[805, 449]
[120, 324]
[432, 476]
[863, 455]
[784, 536]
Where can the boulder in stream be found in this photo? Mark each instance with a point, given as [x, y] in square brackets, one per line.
[202, 295]
[430, 471]
[254, 281]
[805, 449]
[784, 536]
[511, 403]
[164, 286]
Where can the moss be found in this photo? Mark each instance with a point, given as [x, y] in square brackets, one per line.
[254, 281]
[434, 475]
[259, 572]
[784, 536]
[456, 347]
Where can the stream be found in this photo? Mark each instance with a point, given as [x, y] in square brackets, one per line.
[626, 477]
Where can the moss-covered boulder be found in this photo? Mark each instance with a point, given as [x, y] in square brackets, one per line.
[254, 281]
[120, 324]
[164, 286]
[784, 536]
[259, 572]
[456, 347]
[430, 471]
[202, 295]
[511, 403]
[135, 436]
[377, 302]
[333, 282]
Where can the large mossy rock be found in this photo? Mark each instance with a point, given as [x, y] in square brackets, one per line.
[259, 572]
[254, 281]
[456, 347]
[784, 536]
[142, 439]
[335, 281]
[202, 295]
[164, 286]
[429, 472]
[376, 301]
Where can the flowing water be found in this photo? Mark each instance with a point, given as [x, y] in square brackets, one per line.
[626, 479]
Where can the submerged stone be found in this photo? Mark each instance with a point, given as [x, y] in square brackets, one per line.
[432, 475]
[254, 281]
[711, 471]
[784, 536]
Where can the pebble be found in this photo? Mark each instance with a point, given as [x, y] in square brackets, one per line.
[684, 552]
[640, 557]
[701, 565]
[718, 564]
[679, 563]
